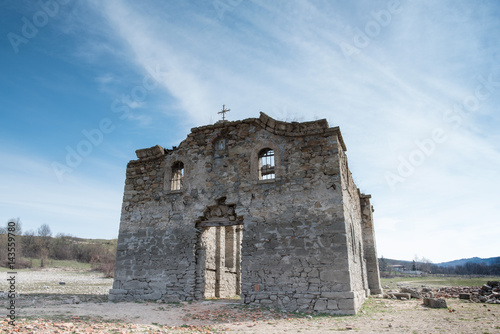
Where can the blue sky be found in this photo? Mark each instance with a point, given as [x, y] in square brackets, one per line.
[413, 85]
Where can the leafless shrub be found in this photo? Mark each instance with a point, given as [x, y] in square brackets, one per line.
[105, 263]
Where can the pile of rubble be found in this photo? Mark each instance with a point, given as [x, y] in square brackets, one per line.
[488, 293]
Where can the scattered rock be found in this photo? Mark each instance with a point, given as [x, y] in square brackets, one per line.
[465, 296]
[493, 284]
[72, 300]
[488, 293]
[172, 299]
[413, 292]
[435, 302]
[486, 288]
[397, 295]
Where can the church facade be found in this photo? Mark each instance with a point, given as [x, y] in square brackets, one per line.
[259, 208]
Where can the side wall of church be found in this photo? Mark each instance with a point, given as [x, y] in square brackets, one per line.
[355, 242]
[369, 246]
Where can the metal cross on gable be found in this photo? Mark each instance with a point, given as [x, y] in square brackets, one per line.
[224, 111]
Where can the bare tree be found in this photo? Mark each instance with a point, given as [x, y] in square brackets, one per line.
[425, 265]
[30, 246]
[61, 247]
[19, 227]
[44, 234]
[382, 264]
[44, 231]
[12, 227]
[3, 245]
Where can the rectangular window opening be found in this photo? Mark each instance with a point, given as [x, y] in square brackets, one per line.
[267, 171]
[177, 176]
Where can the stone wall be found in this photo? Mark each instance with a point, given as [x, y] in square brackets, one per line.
[369, 245]
[353, 221]
[299, 244]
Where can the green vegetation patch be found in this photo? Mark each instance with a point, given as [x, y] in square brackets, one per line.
[374, 305]
[438, 281]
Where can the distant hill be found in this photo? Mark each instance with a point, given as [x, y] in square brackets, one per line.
[393, 262]
[461, 262]
[471, 266]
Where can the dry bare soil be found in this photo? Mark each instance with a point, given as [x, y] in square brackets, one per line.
[80, 306]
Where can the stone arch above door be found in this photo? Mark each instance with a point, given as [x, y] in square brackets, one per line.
[220, 214]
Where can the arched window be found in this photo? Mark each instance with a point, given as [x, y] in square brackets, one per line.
[177, 176]
[266, 164]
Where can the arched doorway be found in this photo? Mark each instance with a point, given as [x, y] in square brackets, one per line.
[218, 255]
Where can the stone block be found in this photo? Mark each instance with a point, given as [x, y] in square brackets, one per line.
[327, 275]
[331, 170]
[313, 273]
[345, 304]
[332, 275]
[172, 299]
[152, 296]
[413, 292]
[465, 296]
[435, 302]
[266, 301]
[117, 291]
[332, 305]
[320, 305]
[303, 301]
[131, 285]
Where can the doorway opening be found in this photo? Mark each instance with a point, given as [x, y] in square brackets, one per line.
[219, 252]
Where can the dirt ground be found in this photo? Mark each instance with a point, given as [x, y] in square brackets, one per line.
[80, 306]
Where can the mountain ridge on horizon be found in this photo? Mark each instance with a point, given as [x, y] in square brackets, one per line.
[461, 262]
[453, 263]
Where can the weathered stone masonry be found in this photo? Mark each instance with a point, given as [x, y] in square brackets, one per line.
[260, 208]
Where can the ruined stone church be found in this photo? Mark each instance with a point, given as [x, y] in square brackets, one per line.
[259, 208]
